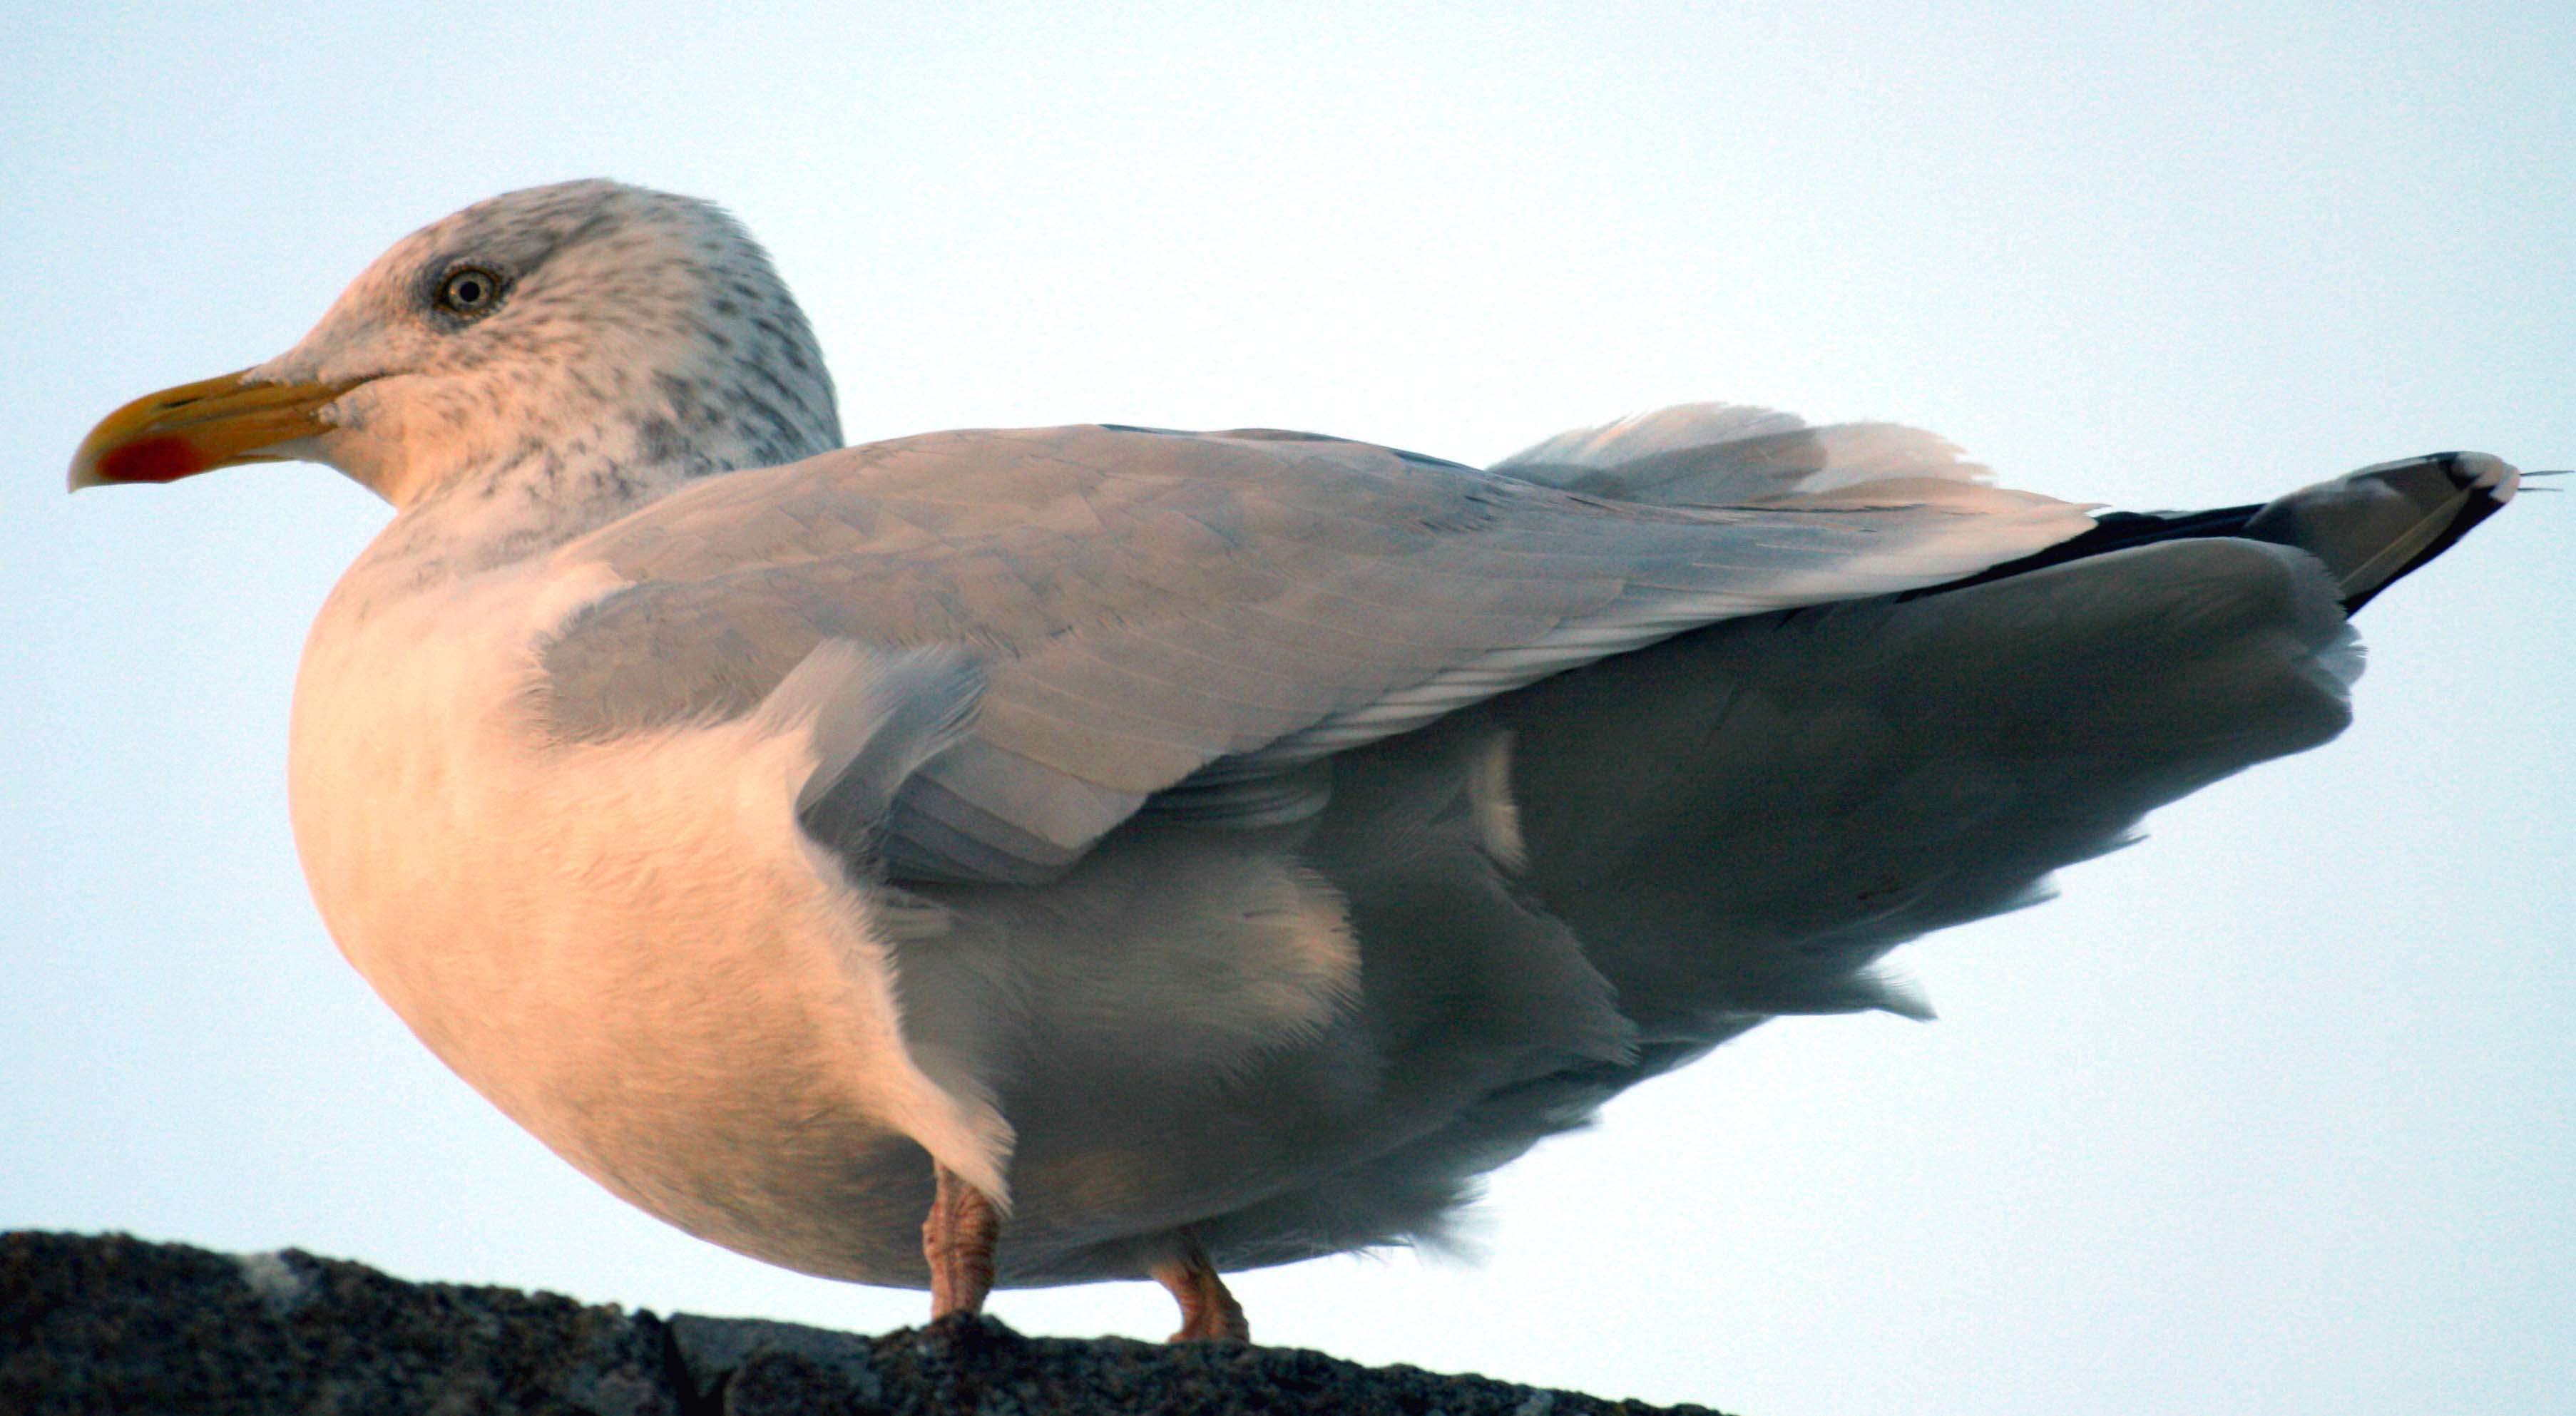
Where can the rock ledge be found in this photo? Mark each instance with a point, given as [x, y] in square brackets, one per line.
[116, 1324]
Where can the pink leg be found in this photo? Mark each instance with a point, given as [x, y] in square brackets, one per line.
[1208, 1312]
[958, 1240]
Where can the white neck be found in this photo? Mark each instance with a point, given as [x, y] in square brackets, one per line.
[486, 522]
[541, 492]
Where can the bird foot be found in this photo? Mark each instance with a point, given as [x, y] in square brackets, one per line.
[1208, 1312]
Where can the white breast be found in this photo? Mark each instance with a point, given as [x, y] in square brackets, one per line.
[716, 1045]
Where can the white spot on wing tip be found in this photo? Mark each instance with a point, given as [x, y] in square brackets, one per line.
[1496, 815]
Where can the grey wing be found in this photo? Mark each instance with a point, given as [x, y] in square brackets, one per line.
[1188, 620]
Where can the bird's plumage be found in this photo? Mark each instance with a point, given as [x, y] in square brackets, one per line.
[1202, 612]
[1224, 843]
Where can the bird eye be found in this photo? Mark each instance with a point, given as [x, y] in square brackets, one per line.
[469, 291]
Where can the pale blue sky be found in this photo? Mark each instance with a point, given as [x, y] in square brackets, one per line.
[2274, 1113]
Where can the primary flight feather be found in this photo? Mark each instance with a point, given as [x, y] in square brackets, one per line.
[1049, 855]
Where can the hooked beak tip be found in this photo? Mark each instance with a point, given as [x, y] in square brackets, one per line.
[198, 427]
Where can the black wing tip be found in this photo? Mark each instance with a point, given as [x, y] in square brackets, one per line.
[2477, 472]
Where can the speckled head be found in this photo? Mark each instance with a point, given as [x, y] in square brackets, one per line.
[576, 342]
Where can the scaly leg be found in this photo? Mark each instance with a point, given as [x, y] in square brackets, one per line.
[1208, 1312]
[958, 1238]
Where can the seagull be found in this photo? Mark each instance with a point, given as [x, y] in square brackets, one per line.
[1046, 856]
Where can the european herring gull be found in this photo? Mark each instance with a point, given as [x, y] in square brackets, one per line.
[1048, 855]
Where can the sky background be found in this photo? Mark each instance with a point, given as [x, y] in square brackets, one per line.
[2274, 1113]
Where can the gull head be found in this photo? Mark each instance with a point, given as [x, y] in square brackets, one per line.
[570, 342]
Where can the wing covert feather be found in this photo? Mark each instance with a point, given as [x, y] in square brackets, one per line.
[1151, 609]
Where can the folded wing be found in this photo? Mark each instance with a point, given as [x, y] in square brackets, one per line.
[1188, 618]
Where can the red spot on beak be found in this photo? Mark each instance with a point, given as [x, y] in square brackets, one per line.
[151, 460]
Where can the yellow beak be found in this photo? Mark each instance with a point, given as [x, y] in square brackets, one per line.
[198, 427]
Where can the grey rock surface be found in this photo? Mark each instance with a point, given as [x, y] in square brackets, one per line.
[116, 1324]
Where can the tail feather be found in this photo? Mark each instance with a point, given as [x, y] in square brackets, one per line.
[2377, 525]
